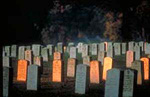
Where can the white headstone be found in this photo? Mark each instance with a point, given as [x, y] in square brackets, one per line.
[101, 56]
[101, 46]
[14, 51]
[86, 60]
[147, 48]
[44, 53]
[21, 52]
[112, 85]
[85, 50]
[6, 61]
[137, 51]
[82, 80]
[73, 52]
[60, 47]
[129, 83]
[7, 50]
[117, 48]
[110, 50]
[50, 49]
[79, 46]
[124, 48]
[94, 49]
[131, 46]
[36, 48]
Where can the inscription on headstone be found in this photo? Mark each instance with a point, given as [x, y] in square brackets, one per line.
[22, 70]
[94, 72]
[71, 67]
[81, 82]
[112, 85]
[57, 71]
[32, 78]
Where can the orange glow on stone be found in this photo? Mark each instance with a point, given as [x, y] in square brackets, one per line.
[22, 70]
[94, 72]
[57, 55]
[146, 68]
[71, 67]
[57, 71]
[106, 46]
[129, 58]
[107, 65]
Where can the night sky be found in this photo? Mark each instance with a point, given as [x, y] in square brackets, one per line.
[22, 14]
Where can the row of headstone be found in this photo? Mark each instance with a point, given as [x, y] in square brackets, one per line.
[120, 83]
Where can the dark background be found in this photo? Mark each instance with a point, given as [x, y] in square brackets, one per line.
[23, 13]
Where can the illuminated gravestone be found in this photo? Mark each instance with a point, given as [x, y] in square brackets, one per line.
[36, 48]
[147, 48]
[73, 52]
[57, 71]
[28, 56]
[101, 47]
[57, 55]
[33, 77]
[141, 44]
[146, 68]
[129, 83]
[71, 67]
[124, 48]
[6, 81]
[117, 48]
[13, 50]
[94, 72]
[60, 47]
[82, 80]
[85, 50]
[37, 60]
[7, 50]
[108, 64]
[106, 45]
[109, 49]
[94, 49]
[129, 58]
[86, 60]
[137, 65]
[21, 52]
[137, 50]
[22, 70]
[50, 49]
[131, 46]
[101, 56]
[6, 61]
[79, 46]
[44, 54]
[112, 85]
[4, 53]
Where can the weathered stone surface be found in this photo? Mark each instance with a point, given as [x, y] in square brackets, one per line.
[60, 47]
[124, 48]
[129, 58]
[146, 67]
[85, 50]
[131, 46]
[71, 66]
[33, 77]
[129, 83]
[94, 50]
[137, 51]
[73, 52]
[138, 65]
[6, 61]
[37, 60]
[22, 70]
[112, 85]
[108, 64]
[110, 50]
[21, 52]
[14, 51]
[86, 60]
[7, 50]
[147, 48]
[44, 54]
[28, 56]
[57, 55]
[101, 47]
[94, 72]
[36, 48]
[79, 46]
[57, 71]
[82, 80]
[50, 49]
[117, 48]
